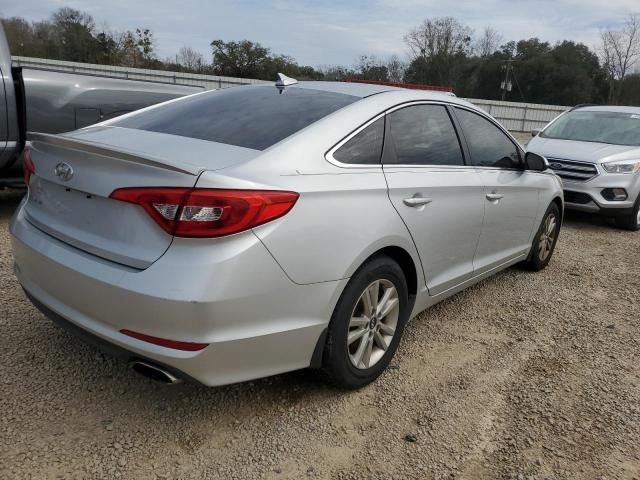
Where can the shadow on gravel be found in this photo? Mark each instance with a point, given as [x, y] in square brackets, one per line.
[9, 200]
[585, 220]
[79, 367]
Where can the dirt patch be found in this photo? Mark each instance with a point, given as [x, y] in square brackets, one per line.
[525, 375]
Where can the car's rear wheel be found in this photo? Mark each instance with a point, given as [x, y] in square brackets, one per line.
[367, 324]
[544, 243]
[630, 221]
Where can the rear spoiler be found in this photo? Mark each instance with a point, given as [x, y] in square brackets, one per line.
[111, 151]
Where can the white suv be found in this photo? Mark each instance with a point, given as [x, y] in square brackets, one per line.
[596, 152]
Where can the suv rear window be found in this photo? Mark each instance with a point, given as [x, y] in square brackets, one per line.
[250, 117]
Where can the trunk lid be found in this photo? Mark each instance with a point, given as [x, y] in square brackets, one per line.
[75, 174]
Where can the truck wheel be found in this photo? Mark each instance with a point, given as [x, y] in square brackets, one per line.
[367, 324]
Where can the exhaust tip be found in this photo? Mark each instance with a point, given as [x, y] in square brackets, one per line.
[154, 373]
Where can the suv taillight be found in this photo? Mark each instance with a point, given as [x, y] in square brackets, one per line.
[27, 165]
[205, 212]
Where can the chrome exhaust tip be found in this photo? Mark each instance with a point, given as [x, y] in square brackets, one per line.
[154, 372]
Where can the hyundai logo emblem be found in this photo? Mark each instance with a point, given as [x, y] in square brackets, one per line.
[556, 165]
[64, 171]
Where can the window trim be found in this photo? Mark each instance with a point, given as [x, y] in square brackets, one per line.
[331, 159]
[450, 106]
[461, 144]
[481, 114]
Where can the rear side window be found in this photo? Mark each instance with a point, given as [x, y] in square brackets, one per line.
[363, 148]
[251, 117]
[424, 135]
[488, 145]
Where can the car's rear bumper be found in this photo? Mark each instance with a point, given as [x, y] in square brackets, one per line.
[229, 293]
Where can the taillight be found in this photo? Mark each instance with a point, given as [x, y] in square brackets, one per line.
[27, 165]
[204, 212]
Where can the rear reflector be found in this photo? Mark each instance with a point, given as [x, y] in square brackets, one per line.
[27, 165]
[206, 212]
[163, 342]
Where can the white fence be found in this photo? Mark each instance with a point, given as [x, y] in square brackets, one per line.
[517, 117]
[129, 73]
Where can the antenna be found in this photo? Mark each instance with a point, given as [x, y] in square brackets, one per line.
[284, 81]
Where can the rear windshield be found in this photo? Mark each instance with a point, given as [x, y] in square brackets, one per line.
[603, 127]
[251, 117]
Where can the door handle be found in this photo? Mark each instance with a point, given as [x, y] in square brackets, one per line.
[494, 196]
[417, 201]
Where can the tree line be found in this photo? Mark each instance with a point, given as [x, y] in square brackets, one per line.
[441, 51]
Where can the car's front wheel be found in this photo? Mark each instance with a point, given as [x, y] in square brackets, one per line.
[544, 243]
[630, 221]
[367, 324]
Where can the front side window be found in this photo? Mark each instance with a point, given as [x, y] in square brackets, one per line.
[488, 145]
[363, 148]
[424, 135]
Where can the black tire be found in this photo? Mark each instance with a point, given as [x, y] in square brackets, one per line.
[537, 259]
[632, 220]
[338, 358]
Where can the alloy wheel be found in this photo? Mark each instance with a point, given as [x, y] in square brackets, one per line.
[547, 237]
[373, 324]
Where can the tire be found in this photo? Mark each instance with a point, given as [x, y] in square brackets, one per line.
[631, 221]
[544, 243]
[355, 365]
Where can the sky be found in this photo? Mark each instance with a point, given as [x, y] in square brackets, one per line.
[331, 32]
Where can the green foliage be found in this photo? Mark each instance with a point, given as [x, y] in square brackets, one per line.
[248, 59]
[71, 35]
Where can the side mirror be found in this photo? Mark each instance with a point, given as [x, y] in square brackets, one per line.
[535, 132]
[535, 162]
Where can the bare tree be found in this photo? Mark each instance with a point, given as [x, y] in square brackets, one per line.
[488, 42]
[368, 67]
[395, 68]
[620, 51]
[439, 36]
[438, 46]
[190, 59]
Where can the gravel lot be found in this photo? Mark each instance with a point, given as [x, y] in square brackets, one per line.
[524, 376]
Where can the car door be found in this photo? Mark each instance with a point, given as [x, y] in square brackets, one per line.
[439, 196]
[510, 192]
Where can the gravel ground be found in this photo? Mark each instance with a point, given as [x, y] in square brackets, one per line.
[524, 376]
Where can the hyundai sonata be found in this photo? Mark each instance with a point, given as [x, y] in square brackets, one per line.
[245, 232]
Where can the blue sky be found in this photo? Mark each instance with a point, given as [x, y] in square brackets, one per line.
[329, 32]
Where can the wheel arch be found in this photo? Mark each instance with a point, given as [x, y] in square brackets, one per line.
[560, 203]
[409, 268]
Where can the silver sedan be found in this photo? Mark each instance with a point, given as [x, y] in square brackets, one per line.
[251, 231]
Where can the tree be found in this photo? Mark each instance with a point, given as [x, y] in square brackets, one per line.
[395, 68]
[438, 47]
[191, 60]
[370, 68]
[251, 60]
[488, 42]
[20, 36]
[145, 44]
[239, 59]
[74, 32]
[620, 51]
[439, 36]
